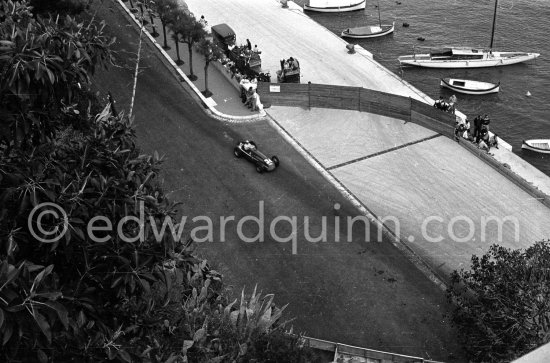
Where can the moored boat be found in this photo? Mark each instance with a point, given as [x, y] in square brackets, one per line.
[470, 87]
[537, 145]
[466, 57]
[462, 57]
[334, 6]
[363, 32]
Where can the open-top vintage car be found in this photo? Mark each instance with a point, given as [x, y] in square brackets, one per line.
[248, 150]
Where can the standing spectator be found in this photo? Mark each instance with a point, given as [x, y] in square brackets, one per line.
[485, 122]
[255, 101]
[453, 99]
[467, 134]
[247, 56]
[250, 97]
[439, 103]
[452, 104]
[287, 64]
[256, 50]
[248, 44]
[477, 128]
[294, 63]
[493, 141]
[203, 21]
[459, 130]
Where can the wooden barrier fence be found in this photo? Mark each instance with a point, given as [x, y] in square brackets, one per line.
[359, 99]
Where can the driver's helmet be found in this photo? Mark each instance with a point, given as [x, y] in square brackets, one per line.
[248, 145]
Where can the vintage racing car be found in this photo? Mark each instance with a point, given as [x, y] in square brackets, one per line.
[250, 152]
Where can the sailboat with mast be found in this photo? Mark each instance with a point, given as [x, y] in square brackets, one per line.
[463, 57]
[362, 32]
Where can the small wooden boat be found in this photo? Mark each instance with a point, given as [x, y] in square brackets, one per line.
[470, 87]
[537, 145]
[363, 32]
[374, 31]
[334, 6]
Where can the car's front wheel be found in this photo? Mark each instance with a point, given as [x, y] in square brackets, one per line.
[260, 169]
[275, 160]
[237, 152]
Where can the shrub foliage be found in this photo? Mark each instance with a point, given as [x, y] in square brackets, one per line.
[74, 298]
[503, 302]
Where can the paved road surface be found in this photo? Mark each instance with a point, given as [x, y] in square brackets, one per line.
[365, 294]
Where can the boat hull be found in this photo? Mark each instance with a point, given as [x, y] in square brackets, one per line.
[532, 145]
[497, 59]
[366, 32]
[470, 87]
[329, 8]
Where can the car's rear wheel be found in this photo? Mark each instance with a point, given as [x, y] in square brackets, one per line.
[260, 169]
[275, 160]
[237, 152]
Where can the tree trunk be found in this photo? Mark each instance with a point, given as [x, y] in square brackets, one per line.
[179, 62]
[206, 92]
[206, 76]
[154, 33]
[165, 46]
[191, 74]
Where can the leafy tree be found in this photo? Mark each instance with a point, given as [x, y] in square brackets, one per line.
[165, 10]
[42, 63]
[211, 53]
[152, 16]
[67, 295]
[178, 26]
[192, 33]
[503, 302]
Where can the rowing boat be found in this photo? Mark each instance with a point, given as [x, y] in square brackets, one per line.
[334, 6]
[537, 145]
[470, 87]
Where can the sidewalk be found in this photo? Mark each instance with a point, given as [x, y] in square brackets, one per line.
[432, 177]
[225, 96]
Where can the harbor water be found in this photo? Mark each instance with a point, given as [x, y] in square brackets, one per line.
[521, 110]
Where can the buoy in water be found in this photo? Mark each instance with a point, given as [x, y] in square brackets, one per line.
[421, 39]
[528, 94]
[405, 25]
